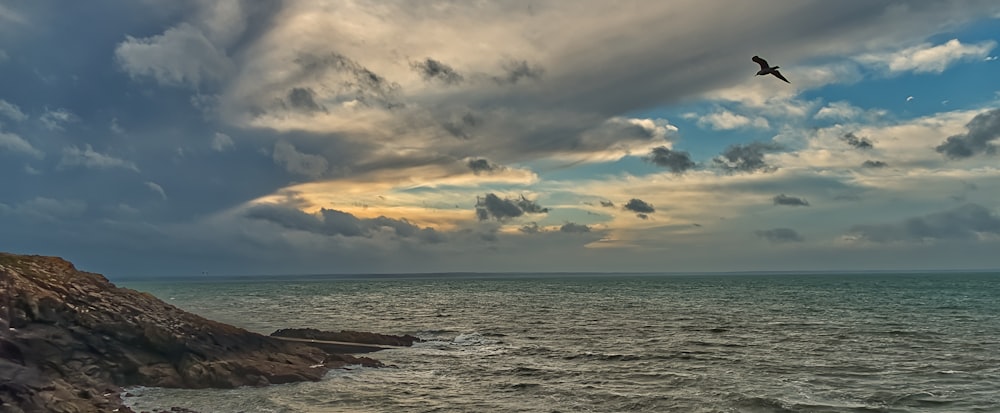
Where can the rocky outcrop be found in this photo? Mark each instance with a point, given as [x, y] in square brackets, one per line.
[347, 336]
[70, 340]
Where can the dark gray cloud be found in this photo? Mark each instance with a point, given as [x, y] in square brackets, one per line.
[621, 81]
[490, 235]
[404, 229]
[966, 188]
[480, 165]
[857, 142]
[332, 222]
[676, 161]
[847, 197]
[783, 199]
[629, 130]
[501, 209]
[358, 83]
[482, 214]
[574, 228]
[607, 204]
[304, 98]
[530, 207]
[640, 206]
[461, 127]
[748, 158]
[982, 131]
[327, 222]
[779, 235]
[431, 69]
[96, 111]
[642, 216]
[531, 228]
[614, 132]
[874, 164]
[309, 165]
[513, 133]
[965, 222]
[515, 70]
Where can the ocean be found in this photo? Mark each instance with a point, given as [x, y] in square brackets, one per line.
[881, 342]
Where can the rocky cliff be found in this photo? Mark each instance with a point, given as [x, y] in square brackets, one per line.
[69, 340]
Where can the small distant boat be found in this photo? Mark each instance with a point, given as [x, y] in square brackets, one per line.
[766, 69]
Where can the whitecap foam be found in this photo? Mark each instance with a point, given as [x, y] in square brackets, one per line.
[475, 339]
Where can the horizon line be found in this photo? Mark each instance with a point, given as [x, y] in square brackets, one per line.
[429, 274]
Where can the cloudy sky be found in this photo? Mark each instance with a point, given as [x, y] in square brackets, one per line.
[162, 137]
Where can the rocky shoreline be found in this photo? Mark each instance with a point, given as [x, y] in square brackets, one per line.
[71, 340]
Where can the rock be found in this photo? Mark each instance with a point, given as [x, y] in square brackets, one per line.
[70, 340]
[347, 336]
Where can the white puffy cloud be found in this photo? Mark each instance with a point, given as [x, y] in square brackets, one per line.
[222, 21]
[725, 120]
[11, 16]
[56, 119]
[10, 110]
[182, 55]
[153, 186]
[780, 99]
[222, 142]
[928, 58]
[17, 144]
[843, 110]
[46, 209]
[907, 144]
[115, 127]
[73, 156]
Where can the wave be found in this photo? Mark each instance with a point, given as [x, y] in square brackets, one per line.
[762, 404]
[520, 386]
[476, 339]
[766, 404]
[602, 356]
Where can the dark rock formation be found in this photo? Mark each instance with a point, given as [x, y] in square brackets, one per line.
[70, 340]
[347, 336]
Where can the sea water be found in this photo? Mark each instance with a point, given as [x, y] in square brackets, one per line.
[927, 342]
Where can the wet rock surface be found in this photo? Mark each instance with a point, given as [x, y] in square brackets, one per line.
[347, 336]
[70, 340]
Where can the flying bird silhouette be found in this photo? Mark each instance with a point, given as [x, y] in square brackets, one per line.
[766, 69]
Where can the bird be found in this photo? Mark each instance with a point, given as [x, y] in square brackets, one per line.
[766, 69]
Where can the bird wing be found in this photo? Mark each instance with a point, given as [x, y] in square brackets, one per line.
[761, 62]
[779, 76]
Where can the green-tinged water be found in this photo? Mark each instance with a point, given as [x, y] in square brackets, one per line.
[618, 343]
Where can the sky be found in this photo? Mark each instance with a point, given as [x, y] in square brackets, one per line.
[179, 137]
